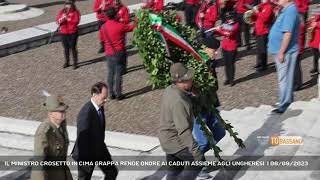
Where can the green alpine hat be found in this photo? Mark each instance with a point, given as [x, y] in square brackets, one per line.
[55, 103]
[179, 72]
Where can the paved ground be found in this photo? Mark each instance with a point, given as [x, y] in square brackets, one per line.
[51, 9]
[25, 74]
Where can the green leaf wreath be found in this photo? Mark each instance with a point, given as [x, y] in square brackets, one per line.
[157, 63]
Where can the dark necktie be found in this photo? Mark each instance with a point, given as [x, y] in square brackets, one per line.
[101, 116]
[61, 131]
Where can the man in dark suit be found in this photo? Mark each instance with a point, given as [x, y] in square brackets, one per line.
[90, 144]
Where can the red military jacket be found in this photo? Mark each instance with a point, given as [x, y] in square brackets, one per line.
[315, 40]
[98, 10]
[302, 37]
[123, 15]
[69, 23]
[192, 2]
[155, 5]
[116, 33]
[241, 8]
[229, 31]
[264, 18]
[302, 5]
[210, 15]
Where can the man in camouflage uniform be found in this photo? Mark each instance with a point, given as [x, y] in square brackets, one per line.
[51, 142]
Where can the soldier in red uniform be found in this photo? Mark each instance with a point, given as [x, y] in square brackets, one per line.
[303, 6]
[264, 17]
[190, 10]
[68, 20]
[314, 42]
[114, 43]
[123, 16]
[276, 8]
[242, 7]
[229, 30]
[155, 5]
[298, 72]
[99, 7]
[207, 16]
[228, 6]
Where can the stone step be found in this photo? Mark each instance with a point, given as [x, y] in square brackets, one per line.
[24, 173]
[245, 125]
[312, 105]
[25, 144]
[13, 8]
[113, 139]
[26, 150]
[97, 174]
[20, 15]
[259, 122]
[301, 119]
[3, 3]
[245, 122]
[20, 142]
[277, 175]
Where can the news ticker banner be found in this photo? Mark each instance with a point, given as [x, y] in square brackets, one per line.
[145, 163]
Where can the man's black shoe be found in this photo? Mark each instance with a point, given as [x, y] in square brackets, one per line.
[112, 97]
[66, 65]
[231, 84]
[313, 71]
[260, 69]
[75, 66]
[124, 72]
[101, 50]
[226, 82]
[276, 111]
[297, 88]
[121, 97]
[257, 66]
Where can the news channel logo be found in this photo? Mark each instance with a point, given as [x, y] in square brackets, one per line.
[280, 140]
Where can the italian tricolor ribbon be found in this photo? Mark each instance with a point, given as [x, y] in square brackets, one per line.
[168, 32]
